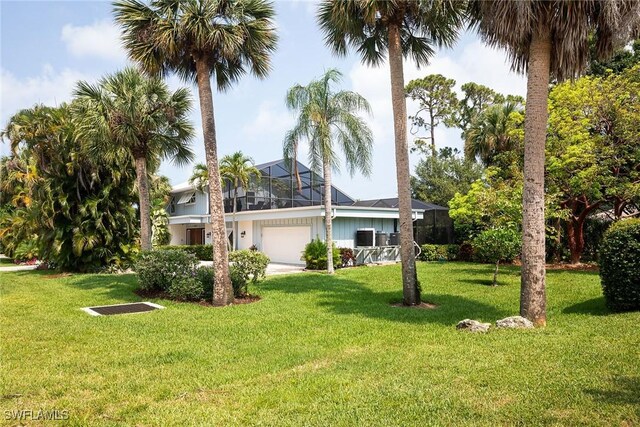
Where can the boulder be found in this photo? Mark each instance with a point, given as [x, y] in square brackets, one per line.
[514, 322]
[473, 326]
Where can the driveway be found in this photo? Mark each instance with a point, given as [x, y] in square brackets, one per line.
[273, 269]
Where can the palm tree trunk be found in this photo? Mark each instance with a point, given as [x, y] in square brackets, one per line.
[222, 289]
[145, 204]
[328, 226]
[235, 207]
[532, 291]
[411, 293]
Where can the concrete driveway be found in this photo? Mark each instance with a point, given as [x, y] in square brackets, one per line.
[273, 269]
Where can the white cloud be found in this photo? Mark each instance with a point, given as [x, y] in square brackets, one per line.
[98, 40]
[271, 122]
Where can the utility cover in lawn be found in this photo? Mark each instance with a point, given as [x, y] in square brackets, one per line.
[134, 307]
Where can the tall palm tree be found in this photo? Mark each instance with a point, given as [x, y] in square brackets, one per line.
[200, 39]
[199, 177]
[547, 39]
[237, 169]
[399, 28]
[490, 133]
[326, 117]
[129, 112]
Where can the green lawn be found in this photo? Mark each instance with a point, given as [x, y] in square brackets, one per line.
[319, 350]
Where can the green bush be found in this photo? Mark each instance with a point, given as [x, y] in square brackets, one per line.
[26, 250]
[465, 252]
[206, 277]
[431, 252]
[620, 265]
[202, 252]
[315, 255]
[157, 269]
[497, 245]
[246, 266]
[186, 288]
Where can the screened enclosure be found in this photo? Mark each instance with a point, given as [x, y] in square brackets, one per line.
[436, 227]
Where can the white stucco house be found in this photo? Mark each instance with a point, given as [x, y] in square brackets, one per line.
[279, 219]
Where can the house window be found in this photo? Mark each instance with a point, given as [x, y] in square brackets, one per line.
[172, 205]
[187, 198]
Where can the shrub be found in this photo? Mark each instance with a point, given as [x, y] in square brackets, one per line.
[206, 277]
[246, 266]
[201, 252]
[157, 269]
[27, 250]
[465, 252]
[620, 265]
[315, 255]
[497, 245]
[431, 252]
[187, 288]
[347, 258]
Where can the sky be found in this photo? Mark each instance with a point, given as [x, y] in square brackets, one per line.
[47, 46]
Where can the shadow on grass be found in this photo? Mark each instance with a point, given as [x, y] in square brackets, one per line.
[624, 390]
[594, 307]
[482, 282]
[114, 286]
[348, 297]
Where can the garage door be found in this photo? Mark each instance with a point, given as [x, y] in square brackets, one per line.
[285, 244]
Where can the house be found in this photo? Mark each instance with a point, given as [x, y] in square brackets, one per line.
[279, 215]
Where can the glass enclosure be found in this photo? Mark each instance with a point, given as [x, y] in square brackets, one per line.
[279, 188]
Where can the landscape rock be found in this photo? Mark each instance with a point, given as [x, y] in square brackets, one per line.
[473, 325]
[514, 322]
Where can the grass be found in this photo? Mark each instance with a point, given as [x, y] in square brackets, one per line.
[319, 350]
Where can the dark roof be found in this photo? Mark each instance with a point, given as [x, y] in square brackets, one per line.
[392, 202]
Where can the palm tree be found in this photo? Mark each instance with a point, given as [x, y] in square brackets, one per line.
[546, 39]
[401, 28]
[491, 133]
[199, 177]
[200, 39]
[128, 112]
[237, 169]
[325, 117]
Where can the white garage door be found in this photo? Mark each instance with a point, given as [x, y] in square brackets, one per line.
[285, 244]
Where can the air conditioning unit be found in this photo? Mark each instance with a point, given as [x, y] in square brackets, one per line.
[365, 237]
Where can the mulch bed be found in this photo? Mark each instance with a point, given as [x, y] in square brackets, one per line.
[422, 306]
[247, 299]
[57, 276]
[565, 266]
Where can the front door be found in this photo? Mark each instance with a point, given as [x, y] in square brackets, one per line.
[195, 236]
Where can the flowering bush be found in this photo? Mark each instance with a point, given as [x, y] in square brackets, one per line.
[159, 268]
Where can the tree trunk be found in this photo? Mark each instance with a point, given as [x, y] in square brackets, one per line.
[145, 203]
[495, 274]
[411, 293]
[433, 135]
[328, 224]
[222, 289]
[575, 235]
[235, 227]
[532, 292]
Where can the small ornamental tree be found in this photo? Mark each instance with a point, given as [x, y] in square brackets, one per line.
[620, 265]
[495, 245]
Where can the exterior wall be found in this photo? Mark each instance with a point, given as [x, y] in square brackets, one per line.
[344, 229]
[198, 208]
[316, 223]
[179, 233]
[246, 241]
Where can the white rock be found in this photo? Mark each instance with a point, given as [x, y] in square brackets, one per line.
[514, 322]
[473, 325]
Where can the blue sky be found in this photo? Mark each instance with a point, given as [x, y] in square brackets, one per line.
[46, 46]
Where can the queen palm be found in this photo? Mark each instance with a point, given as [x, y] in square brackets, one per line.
[399, 28]
[237, 169]
[199, 177]
[547, 39]
[128, 112]
[491, 133]
[198, 40]
[328, 121]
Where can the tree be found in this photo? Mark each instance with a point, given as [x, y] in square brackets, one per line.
[160, 195]
[492, 132]
[437, 100]
[199, 177]
[399, 28]
[200, 39]
[476, 99]
[438, 179]
[237, 169]
[594, 148]
[326, 118]
[127, 112]
[622, 59]
[546, 39]
[495, 245]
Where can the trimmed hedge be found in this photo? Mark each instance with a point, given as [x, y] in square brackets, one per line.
[439, 252]
[620, 265]
[202, 252]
